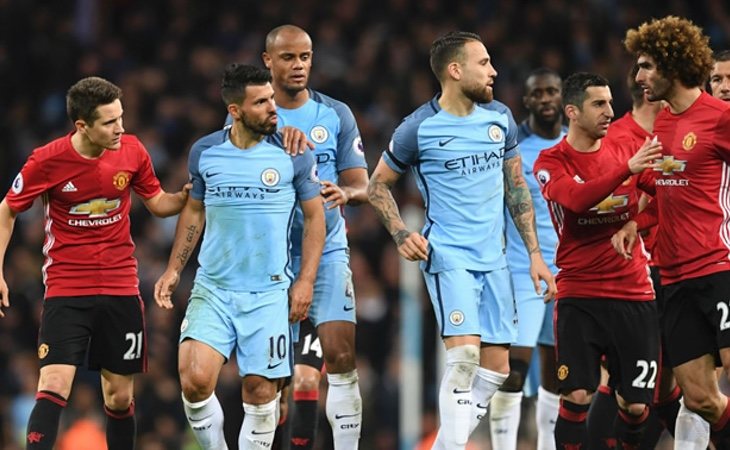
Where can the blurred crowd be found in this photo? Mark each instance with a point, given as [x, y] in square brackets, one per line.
[168, 56]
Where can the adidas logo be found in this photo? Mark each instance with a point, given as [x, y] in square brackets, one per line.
[69, 187]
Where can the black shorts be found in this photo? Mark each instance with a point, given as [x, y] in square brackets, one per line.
[308, 350]
[108, 329]
[696, 319]
[626, 332]
[656, 282]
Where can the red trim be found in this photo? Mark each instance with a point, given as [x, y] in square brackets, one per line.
[119, 415]
[605, 390]
[673, 396]
[573, 416]
[633, 420]
[144, 332]
[306, 395]
[51, 397]
[722, 423]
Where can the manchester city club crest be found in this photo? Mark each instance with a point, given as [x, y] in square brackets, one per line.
[270, 177]
[495, 133]
[456, 317]
[319, 134]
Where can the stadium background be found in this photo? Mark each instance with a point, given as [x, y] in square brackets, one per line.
[167, 56]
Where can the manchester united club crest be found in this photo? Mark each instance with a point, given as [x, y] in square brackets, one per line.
[121, 180]
[563, 372]
[42, 351]
[689, 141]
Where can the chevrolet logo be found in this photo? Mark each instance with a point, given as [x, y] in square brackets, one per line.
[667, 165]
[99, 207]
[610, 203]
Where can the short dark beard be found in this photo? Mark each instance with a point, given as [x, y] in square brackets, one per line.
[258, 127]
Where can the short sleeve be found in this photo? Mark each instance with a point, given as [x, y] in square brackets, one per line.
[30, 182]
[306, 181]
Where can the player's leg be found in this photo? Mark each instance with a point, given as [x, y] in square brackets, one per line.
[548, 399]
[455, 296]
[262, 351]
[602, 415]
[118, 349]
[633, 364]
[62, 343]
[207, 336]
[506, 405]
[333, 312]
[581, 335]
[308, 363]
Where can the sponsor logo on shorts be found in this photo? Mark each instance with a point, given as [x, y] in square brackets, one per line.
[42, 351]
[274, 366]
[456, 318]
[563, 372]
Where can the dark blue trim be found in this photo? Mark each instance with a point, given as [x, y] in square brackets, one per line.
[439, 300]
[401, 165]
[288, 271]
[430, 221]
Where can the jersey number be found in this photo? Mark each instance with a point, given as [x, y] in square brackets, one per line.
[277, 349]
[641, 381]
[725, 310]
[135, 345]
[310, 345]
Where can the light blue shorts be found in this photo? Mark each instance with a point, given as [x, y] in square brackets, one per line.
[256, 324]
[479, 303]
[535, 317]
[334, 295]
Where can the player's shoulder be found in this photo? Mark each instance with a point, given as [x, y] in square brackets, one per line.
[496, 106]
[211, 140]
[327, 101]
[554, 153]
[714, 104]
[52, 149]
[411, 122]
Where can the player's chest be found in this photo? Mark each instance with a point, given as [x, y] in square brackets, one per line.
[246, 175]
[102, 183]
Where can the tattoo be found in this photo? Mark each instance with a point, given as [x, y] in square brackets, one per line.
[187, 250]
[400, 237]
[518, 200]
[382, 200]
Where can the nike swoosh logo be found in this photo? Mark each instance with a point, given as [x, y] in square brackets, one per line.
[262, 432]
[346, 308]
[200, 420]
[343, 416]
[443, 142]
[461, 391]
[274, 366]
[480, 406]
[208, 174]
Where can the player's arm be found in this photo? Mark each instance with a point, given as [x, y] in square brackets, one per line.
[411, 245]
[187, 233]
[165, 204]
[7, 223]
[313, 235]
[519, 203]
[624, 240]
[351, 190]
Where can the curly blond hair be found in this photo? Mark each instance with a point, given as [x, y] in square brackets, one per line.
[677, 46]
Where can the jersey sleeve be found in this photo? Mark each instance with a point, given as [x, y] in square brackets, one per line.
[558, 186]
[350, 154]
[648, 217]
[30, 182]
[306, 181]
[647, 182]
[511, 146]
[722, 137]
[198, 191]
[145, 182]
[402, 150]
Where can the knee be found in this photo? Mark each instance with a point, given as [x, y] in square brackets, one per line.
[258, 390]
[119, 400]
[579, 397]
[517, 376]
[635, 409]
[197, 384]
[306, 379]
[699, 404]
[341, 360]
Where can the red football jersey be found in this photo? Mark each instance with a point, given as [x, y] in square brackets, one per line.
[692, 185]
[627, 129]
[591, 196]
[88, 245]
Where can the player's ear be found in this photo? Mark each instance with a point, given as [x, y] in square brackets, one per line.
[571, 111]
[454, 70]
[267, 60]
[234, 111]
[80, 125]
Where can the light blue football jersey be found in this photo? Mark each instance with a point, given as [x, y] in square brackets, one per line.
[457, 162]
[249, 196]
[331, 126]
[530, 146]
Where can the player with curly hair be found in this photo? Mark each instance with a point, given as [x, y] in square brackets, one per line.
[692, 205]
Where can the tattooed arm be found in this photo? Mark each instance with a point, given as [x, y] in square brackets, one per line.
[189, 226]
[518, 201]
[411, 245]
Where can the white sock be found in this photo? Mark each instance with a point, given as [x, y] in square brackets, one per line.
[691, 431]
[259, 425]
[504, 419]
[546, 415]
[277, 414]
[486, 382]
[344, 409]
[455, 397]
[206, 420]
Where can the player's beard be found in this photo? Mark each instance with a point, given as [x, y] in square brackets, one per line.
[478, 93]
[661, 90]
[264, 127]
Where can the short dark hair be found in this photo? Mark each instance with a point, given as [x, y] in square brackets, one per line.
[722, 56]
[237, 77]
[448, 48]
[86, 95]
[542, 72]
[635, 89]
[574, 87]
